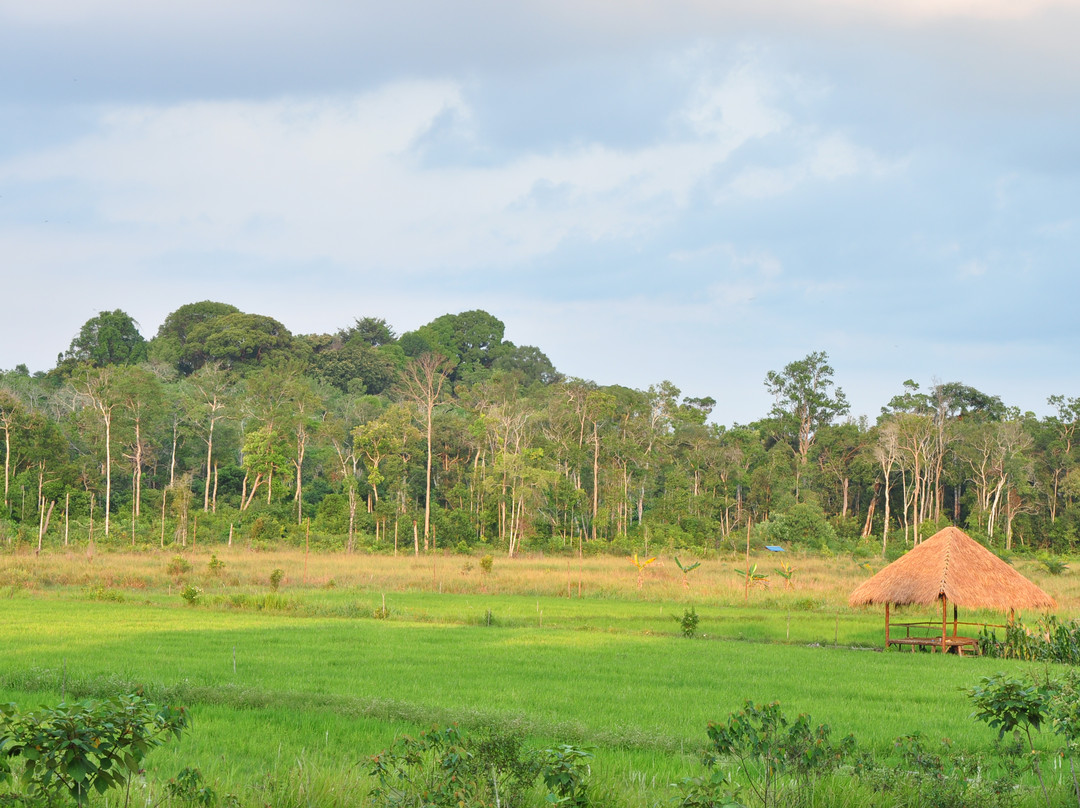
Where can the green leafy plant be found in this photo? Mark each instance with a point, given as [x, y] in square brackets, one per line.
[275, 578]
[178, 565]
[444, 768]
[1054, 566]
[787, 572]
[753, 578]
[688, 623]
[191, 594]
[641, 565]
[1065, 718]
[215, 565]
[188, 788]
[714, 790]
[486, 563]
[1011, 705]
[85, 747]
[565, 770]
[686, 569]
[767, 745]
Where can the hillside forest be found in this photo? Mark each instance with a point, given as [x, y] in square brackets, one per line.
[225, 426]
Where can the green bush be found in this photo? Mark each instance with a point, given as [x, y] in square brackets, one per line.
[444, 768]
[178, 565]
[688, 623]
[802, 525]
[86, 747]
[191, 594]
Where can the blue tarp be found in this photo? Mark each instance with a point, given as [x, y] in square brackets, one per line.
[773, 549]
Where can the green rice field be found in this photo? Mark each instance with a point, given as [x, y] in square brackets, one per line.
[291, 692]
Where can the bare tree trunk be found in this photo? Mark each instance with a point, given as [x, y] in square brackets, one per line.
[595, 479]
[209, 453]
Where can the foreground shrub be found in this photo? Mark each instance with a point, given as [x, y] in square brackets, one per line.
[767, 745]
[445, 768]
[77, 749]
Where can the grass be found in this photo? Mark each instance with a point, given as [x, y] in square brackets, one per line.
[292, 691]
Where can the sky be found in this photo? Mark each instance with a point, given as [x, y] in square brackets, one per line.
[698, 191]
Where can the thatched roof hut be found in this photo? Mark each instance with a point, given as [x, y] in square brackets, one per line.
[950, 566]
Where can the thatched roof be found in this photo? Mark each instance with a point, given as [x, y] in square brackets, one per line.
[952, 564]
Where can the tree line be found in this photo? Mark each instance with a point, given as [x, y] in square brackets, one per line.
[453, 436]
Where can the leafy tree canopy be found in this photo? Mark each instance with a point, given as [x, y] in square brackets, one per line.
[529, 362]
[805, 400]
[236, 339]
[472, 341]
[171, 343]
[949, 400]
[373, 331]
[110, 338]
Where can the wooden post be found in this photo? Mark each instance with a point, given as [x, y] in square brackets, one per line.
[954, 623]
[944, 620]
[887, 605]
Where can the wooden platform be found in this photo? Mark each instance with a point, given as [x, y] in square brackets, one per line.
[953, 645]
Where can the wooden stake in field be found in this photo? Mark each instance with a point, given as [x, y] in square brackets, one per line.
[746, 588]
[581, 560]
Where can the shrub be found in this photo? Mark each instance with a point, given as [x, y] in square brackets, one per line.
[566, 771]
[191, 594]
[803, 524]
[688, 623]
[215, 564]
[275, 579]
[178, 565]
[87, 746]
[767, 745]
[444, 768]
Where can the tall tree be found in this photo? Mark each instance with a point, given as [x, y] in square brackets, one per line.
[140, 396]
[206, 405]
[10, 411]
[805, 401]
[97, 388]
[110, 338]
[422, 382]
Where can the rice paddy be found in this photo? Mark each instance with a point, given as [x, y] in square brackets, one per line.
[293, 689]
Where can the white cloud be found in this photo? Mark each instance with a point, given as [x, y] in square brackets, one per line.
[934, 10]
[341, 178]
[972, 269]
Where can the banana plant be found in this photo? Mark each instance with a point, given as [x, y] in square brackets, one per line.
[752, 578]
[786, 571]
[641, 565]
[686, 570]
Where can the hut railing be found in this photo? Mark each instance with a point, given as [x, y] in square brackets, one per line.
[933, 628]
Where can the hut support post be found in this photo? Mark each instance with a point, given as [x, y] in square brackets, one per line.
[954, 620]
[944, 620]
[887, 604]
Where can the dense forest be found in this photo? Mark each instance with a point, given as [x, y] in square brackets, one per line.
[225, 426]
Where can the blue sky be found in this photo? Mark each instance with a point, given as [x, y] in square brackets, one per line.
[693, 190]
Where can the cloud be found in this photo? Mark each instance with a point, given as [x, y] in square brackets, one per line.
[352, 179]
